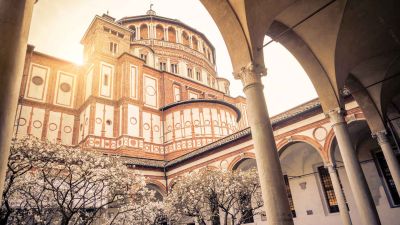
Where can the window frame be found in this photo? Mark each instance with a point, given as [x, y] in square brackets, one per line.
[289, 195]
[144, 57]
[162, 65]
[383, 178]
[330, 209]
[198, 76]
[190, 72]
[174, 68]
[113, 48]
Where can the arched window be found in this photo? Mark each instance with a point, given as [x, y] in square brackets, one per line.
[144, 32]
[157, 191]
[133, 32]
[159, 32]
[185, 39]
[195, 43]
[171, 34]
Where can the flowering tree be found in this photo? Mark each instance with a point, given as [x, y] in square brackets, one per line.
[53, 184]
[209, 194]
[187, 199]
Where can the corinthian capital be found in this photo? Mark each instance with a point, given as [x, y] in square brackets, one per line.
[250, 74]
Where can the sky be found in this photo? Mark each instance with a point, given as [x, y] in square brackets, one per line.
[58, 26]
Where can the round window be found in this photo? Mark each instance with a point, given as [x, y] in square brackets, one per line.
[67, 129]
[22, 121]
[133, 120]
[108, 122]
[37, 124]
[53, 126]
[65, 87]
[150, 90]
[37, 80]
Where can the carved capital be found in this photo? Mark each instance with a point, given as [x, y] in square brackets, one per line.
[381, 137]
[337, 116]
[250, 74]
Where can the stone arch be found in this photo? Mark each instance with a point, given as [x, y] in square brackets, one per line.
[171, 183]
[366, 104]
[133, 32]
[316, 72]
[390, 89]
[144, 47]
[144, 31]
[160, 185]
[239, 47]
[331, 136]
[283, 144]
[239, 158]
[172, 34]
[159, 32]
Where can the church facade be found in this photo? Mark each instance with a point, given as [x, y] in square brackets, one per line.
[149, 92]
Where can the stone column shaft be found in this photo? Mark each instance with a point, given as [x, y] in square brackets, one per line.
[15, 19]
[337, 188]
[273, 188]
[355, 174]
[390, 157]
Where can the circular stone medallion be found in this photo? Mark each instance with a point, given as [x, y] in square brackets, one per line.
[37, 80]
[133, 120]
[320, 133]
[65, 87]
[52, 126]
[67, 129]
[37, 124]
[150, 90]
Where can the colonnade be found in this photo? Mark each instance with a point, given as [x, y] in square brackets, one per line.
[15, 17]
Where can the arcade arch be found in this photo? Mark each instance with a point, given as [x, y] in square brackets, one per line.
[307, 173]
[159, 32]
[172, 34]
[144, 32]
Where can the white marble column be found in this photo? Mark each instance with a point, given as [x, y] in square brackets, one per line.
[137, 33]
[165, 34]
[339, 194]
[273, 188]
[390, 157]
[357, 181]
[15, 19]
